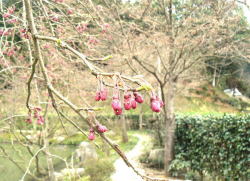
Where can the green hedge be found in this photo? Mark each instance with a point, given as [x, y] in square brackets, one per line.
[219, 146]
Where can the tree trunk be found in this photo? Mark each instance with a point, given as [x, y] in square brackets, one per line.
[169, 118]
[140, 118]
[124, 129]
[214, 76]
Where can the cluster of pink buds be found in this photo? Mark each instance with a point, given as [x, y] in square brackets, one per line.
[55, 18]
[131, 101]
[91, 136]
[24, 33]
[5, 32]
[37, 115]
[92, 41]
[9, 13]
[12, 21]
[105, 27]
[40, 119]
[102, 92]
[130, 98]
[9, 52]
[69, 12]
[82, 27]
[116, 105]
[156, 103]
[101, 128]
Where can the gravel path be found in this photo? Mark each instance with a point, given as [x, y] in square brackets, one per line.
[125, 173]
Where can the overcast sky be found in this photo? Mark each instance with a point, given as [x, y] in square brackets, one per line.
[247, 12]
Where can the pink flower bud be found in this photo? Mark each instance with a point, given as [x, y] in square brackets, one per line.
[133, 103]
[40, 120]
[138, 97]
[127, 104]
[98, 96]
[28, 120]
[104, 94]
[127, 95]
[11, 10]
[23, 30]
[116, 104]
[91, 130]
[12, 21]
[38, 109]
[92, 41]
[102, 129]
[91, 136]
[69, 11]
[6, 15]
[155, 105]
[118, 111]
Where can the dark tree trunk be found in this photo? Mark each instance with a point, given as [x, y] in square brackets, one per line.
[124, 129]
[169, 119]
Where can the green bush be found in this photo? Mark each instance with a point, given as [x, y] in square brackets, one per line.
[100, 170]
[216, 145]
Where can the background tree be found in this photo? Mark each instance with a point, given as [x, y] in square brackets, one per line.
[182, 35]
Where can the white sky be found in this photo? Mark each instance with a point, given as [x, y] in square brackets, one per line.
[247, 11]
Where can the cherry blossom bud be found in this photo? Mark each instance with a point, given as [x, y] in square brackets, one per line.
[6, 15]
[11, 10]
[69, 11]
[133, 103]
[102, 129]
[138, 97]
[155, 106]
[98, 96]
[116, 104]
[28, 120]
[91, 136]
[103, 94]
[118, 111]
[40, 120]
[127, 104]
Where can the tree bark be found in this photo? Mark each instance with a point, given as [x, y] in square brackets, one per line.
[214, 76]
[38, 55]
[169, 118]
[124, 129]
[141, 119]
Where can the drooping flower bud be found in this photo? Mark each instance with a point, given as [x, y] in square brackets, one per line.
[98, 96]
[133, 103]
[69, 11]
[91, 130]
[138, 97]
[28, 120]
[104, 94]
[91, 136]
[40, 120]
[127, 101]
[127, 95]
[6, 15]
[116, 104]
[101, 128]
[118, 111]
[127, 104]
[155, 106]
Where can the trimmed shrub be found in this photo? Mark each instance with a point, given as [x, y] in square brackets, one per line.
[219, 146]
